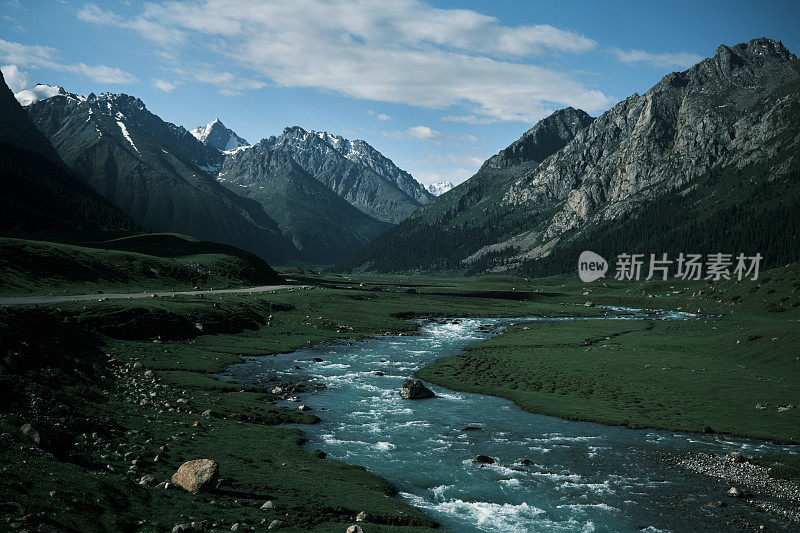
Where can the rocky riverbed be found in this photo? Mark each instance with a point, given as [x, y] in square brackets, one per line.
[778, 497]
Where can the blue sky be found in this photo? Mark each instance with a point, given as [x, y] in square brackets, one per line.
[436, 86]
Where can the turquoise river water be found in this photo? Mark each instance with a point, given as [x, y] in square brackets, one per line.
[583, 476]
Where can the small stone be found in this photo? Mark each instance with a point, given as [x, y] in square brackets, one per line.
[735, 492]
[235, 527]
[362, 516]
[29, 431]
[269, 504]
[148, 373]
[275, 524]
[147, 479]
[304, 407]
[137, 365]
[354, 529]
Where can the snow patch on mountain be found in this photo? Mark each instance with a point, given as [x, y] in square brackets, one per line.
[438, 189]
[40, 92]
[125, 134]
[237, 149]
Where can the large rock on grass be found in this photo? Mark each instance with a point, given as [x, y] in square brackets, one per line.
[414, 389]
[198, 475]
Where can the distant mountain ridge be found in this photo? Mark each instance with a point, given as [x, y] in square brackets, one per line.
[716, 144]
[438, 189]
[156, 172]
[324, 227]
[211, 184]
[353, 171]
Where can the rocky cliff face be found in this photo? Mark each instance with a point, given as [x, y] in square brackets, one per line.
[711, 143]
[726, 111]
[323, 156]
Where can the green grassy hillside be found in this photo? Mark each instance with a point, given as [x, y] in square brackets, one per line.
[124, 263]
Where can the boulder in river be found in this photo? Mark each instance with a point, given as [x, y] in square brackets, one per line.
[414, 389]
[484, 459]
[197, 475]
[472, 428]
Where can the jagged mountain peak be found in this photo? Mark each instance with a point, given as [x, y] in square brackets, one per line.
[740, 65]
[761, 47]
[217, 135]
[546, 137]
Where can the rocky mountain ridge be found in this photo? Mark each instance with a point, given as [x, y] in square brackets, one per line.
[731, 121]
[156, 172]
[339, 165]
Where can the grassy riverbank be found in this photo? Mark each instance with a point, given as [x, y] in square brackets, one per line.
[735, 373]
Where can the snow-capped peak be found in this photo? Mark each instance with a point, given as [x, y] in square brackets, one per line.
[217, 135]
[437, 189]
[40, 92]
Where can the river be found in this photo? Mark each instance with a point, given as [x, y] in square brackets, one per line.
[580, 476]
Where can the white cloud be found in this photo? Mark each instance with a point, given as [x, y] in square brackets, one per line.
[226, 83]
[384, 116]
[420, 133]
[665, 60]
[398, 51]
[164, 85]
[37, 57]
[16, 79]
[425, 133]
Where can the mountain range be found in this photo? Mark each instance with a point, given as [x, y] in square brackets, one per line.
[706, 161]
[299, 198]
[39, 192]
